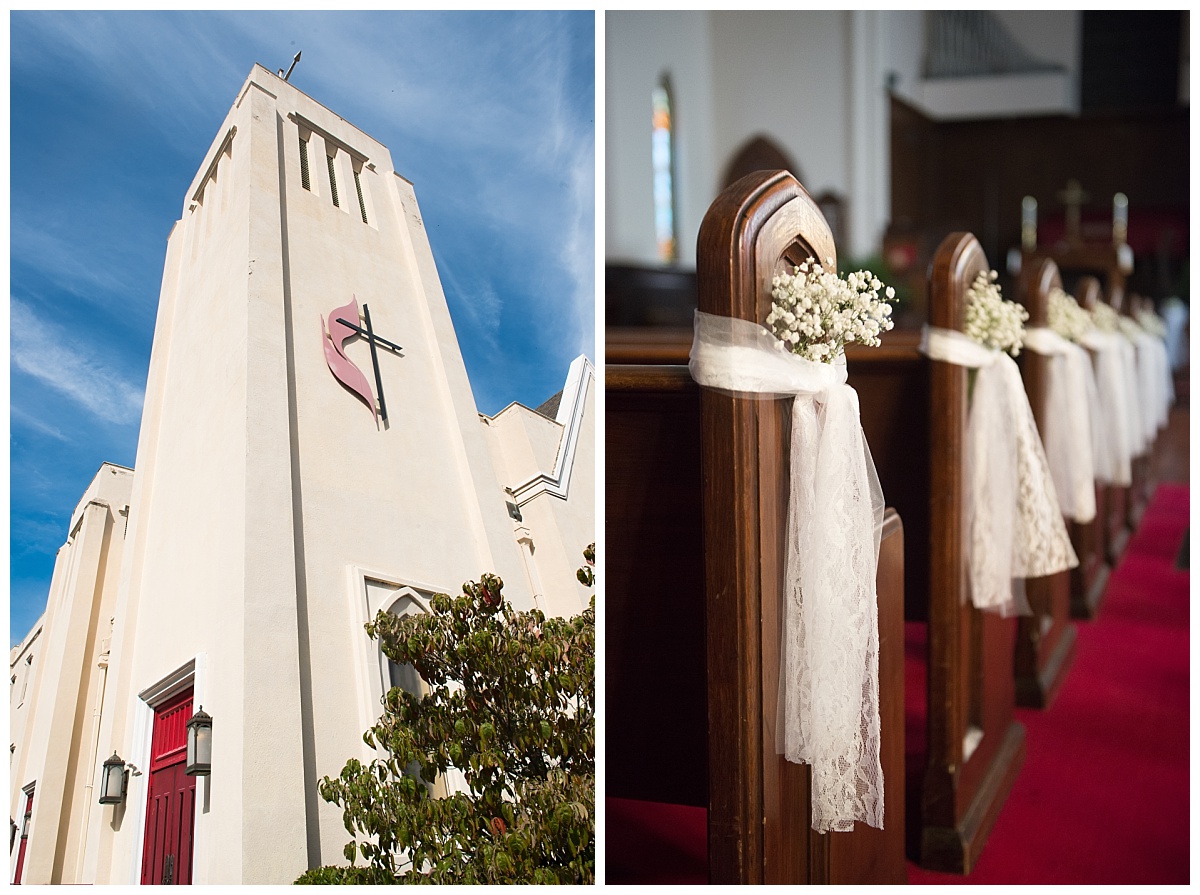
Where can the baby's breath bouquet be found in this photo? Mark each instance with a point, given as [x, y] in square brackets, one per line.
[1152, 323]
[992, 321]
[1129, 327]
[1067, 317]
[1105, 317]
[815, 313]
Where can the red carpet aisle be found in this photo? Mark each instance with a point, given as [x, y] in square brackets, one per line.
[1103, 795]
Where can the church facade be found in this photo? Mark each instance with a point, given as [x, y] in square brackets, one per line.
[310, 453]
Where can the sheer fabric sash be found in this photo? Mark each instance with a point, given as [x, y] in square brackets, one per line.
[1015, 529]
[1067, 427]
[828, 704]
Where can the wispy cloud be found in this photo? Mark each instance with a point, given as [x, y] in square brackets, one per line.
[45, 352]
[38, 534]
[578, 248]
[473, 295]
[172, 82]
[69, 264]
[19, 417]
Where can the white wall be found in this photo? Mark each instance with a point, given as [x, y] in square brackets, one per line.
[760, 63]
[639, 47]
[904, 52]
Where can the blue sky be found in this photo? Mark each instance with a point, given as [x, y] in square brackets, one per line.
[489, 114]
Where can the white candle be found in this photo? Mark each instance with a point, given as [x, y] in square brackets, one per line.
[1120, 218]
[1029, 223]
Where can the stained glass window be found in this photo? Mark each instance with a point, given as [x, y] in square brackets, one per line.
[662, 155]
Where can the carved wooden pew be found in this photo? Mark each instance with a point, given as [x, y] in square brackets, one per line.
[914, 413]
[696, 510]
[1046, 639]
[1111, 499]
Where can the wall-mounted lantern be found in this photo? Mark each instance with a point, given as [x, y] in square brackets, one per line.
[113, 781]
[199, 744]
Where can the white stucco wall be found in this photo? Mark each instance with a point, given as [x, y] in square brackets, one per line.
[56, 709]
[525, 442]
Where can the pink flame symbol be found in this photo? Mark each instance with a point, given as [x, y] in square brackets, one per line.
[341, 366]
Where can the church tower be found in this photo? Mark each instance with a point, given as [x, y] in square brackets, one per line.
[310, 453]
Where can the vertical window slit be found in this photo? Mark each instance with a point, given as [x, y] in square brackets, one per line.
[662, 154]
[332, 181]
[304, 181]
[362, 206]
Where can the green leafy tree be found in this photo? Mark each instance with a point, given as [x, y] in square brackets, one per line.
[511, 705]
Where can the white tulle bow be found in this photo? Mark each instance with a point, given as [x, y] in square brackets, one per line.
[1015, 528]
[829, 670]
[1067, 425]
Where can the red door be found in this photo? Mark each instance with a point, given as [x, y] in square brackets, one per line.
[24, 837]
[171, 804]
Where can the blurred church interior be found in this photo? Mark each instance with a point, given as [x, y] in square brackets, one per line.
[904, 126]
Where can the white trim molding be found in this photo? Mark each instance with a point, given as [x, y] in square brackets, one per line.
[570, 415]
[371, 662]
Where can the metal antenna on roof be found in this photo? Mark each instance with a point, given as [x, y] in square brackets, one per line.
[289, 71]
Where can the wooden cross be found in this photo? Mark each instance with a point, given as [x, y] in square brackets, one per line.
[1073, 197]
[371, 338]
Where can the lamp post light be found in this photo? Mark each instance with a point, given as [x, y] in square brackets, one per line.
[199, 744]
[113, 781]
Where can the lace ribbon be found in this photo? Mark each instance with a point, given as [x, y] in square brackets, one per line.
[829, 669]
[1067, 428]
[1015, 529]
[1113, 441]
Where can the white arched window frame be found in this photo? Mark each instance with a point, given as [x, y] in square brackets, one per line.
[374, 591]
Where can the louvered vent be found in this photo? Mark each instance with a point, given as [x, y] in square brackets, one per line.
[332, 181]
[304, 181]
[362, 206]
[970, 43]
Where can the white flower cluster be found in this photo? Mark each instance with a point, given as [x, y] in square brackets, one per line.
[1105, 317]
[992, 321]
[1152, 323]
[1129, 327]
[1066, 317]
[815, 313]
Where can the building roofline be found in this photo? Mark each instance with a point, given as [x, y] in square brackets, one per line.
[15, 654]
